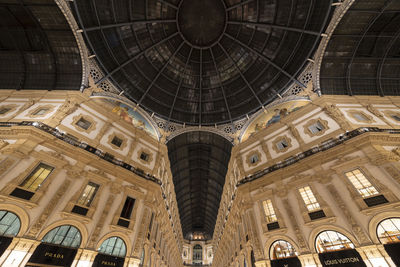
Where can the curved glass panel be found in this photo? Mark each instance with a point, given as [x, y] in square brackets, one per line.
[281, 249]
[9, 223]
[332, 241]
[65, 235]
[388, 231]
[114, 246]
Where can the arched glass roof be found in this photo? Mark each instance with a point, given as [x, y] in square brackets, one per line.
[202, 62]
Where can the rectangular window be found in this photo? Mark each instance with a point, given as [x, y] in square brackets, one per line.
[116, 141]
[360, 116]
[316, 127]
[4, 110]
[84, 124]
[282, 144]
[128, 207]
[395, 117]
[144, 156]
[37, 177]
[88, 194]
[360, 182]
[269, 211]
[40, 112]
[309, 199]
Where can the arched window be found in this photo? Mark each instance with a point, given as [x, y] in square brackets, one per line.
[332, 241]
[65, 235]
[114, 246]
[281, 249]
[9, 223]
[388, 230]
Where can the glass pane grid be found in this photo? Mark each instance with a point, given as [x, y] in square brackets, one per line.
[361, 183]
[269, 211]
[65, 235]
[37, 177]
[332, 241]
[309, 199]
[114, 246]
[281, 249]
[388, 231]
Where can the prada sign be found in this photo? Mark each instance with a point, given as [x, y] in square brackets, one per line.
[345, 258]
[53, 255]
[393, 250]
[4, 243]
[288, 262]
[103, 260]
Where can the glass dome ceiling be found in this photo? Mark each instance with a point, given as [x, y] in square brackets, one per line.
[202, 62]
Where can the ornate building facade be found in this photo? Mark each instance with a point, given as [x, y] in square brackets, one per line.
[224, 133]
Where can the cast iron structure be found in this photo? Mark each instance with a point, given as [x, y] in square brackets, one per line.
[363, 54]
[38, 50]
[202, 62]
[199, 163]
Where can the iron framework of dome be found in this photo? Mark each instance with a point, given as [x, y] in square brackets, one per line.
[38, 49]
[363, 54]
[202, 62]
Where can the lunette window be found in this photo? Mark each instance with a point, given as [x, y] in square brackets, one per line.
[9, 223]
[36, 178]
[332, 241]
[114, 246]
[388, 231]
[282, 249]
[65, 235]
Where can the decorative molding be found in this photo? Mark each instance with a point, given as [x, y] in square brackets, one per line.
[279, 139]
[353, 113]
[92, 121]
[357, 229]
[34, 231]
[250, 155]
[49, 108]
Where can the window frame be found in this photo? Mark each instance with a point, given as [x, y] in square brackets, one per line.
[281, 240]
[112, 254]
[337, 232]
[64, 237]
[379, 224]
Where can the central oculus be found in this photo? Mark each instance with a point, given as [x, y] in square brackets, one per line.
[201, 22]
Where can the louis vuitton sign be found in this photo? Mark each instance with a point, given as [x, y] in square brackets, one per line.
[342, 258]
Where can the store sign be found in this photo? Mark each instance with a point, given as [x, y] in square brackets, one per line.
[393, 250]
[53, 255]
[103, 260]
[288, 262]
[348, 257]
[4, 243]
